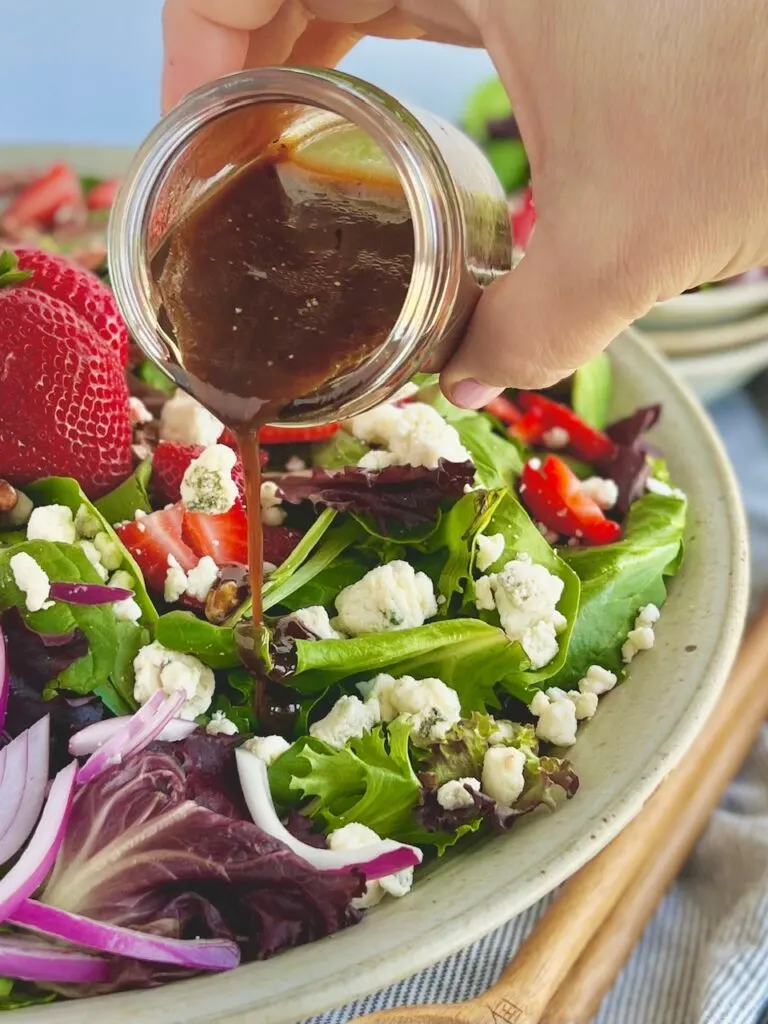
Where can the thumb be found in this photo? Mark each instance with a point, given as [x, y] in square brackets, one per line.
[560, 306]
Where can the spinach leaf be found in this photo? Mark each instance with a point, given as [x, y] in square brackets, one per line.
[235, 699]
[323, 588]
[66, 563]
[214, 645]
[60, 490]
[131, 496]
[618, 579]
[591, 391]
[117, 695]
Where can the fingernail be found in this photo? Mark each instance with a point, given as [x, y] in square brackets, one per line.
[471, 394]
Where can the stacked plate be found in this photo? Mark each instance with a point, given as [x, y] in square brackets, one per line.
[716, 339]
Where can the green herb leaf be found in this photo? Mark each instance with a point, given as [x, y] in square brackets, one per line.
[155, 377]
[591, 391]
[619, 579]
[131, 496]
[9, 269]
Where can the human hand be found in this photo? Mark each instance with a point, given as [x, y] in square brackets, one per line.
[646, 126]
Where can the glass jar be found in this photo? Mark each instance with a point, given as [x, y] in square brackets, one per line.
[457, 206]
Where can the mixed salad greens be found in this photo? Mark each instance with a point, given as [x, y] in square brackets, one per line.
[448, 594]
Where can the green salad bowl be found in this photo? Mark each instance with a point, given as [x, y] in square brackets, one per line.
[641, 731]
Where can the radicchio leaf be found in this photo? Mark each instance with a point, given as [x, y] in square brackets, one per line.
[140, 854]
[409, 495]
[209, 770]
[630, 430]
[34, 660]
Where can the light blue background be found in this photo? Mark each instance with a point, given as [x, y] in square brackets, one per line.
[88, 71]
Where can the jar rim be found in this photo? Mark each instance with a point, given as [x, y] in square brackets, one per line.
[427, 183]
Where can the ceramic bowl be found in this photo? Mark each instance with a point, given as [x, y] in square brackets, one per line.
[714, 375]
[640, 732]
[723, 304]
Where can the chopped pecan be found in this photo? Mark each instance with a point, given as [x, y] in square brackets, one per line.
[227, 594]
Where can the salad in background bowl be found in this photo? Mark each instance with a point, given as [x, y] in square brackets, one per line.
[488, 118]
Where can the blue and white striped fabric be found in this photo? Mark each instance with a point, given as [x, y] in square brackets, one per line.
[704, 957]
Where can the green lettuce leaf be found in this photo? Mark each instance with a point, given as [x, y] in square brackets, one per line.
[59, 490]
[131, 496]
[619, 579]
[463, 751]
[497, 459]
[214, 645]
[152, 375]
[370, 781]
[15, 995]
[338, 451]
[234, 698]
[591, 391]
[117, 694]
[487, 102]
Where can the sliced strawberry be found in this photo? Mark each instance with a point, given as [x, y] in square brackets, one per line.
[223, 537]
[279, 542]
[170, 463]
[45, 197]
[151, 539]
[102, 195]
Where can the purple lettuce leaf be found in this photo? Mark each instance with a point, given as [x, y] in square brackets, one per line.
[409, 495]
[34, 659]
[209, 770]
[544, 778]
[140, 854]
[628, 466]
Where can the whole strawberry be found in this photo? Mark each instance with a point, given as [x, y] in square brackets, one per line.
[81, 290]
[63, 398]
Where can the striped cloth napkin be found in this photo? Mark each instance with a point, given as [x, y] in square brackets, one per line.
[704, 957]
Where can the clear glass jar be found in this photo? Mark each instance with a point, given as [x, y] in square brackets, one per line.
[458, 209]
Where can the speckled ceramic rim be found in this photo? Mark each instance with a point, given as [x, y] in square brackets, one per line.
[470, 895]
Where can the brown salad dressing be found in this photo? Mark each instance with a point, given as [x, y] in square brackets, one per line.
[279, 282]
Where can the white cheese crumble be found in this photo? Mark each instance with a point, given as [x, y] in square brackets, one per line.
[220, 725]
[53, 523]
[489, 550]
[348, 719]
[376, 459]
[32, 581]
[272, 512]
[604, 492]
[202, 578]
[175, 581]
[663, 489]
[355, 836]
[267, 748]
[127, 610]
[503, 732]
[597, 680]
[89, 550]
[391, 596]
[525, 595]
[453, 795]
[432, 707]
[86, 524]
[556, 437]
[109, 551]
[207, 485]
[295, 464]
[503, 778]
[557, 723]
[139, 412]
[315, 619]
[642, 637]
[414, 434]
[158, 668]
[185, 421]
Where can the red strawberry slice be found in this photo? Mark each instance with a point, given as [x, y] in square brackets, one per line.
[169, 464]
[223, 537]
[279, 542]
[151, 539]
[82, 291]
[63, 398]
[102, 195]
[38, 204]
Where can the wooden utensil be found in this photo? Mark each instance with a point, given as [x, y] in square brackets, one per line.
[602, 910]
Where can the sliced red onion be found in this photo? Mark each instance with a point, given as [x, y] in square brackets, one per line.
[88, 593]
[5, 680]
[37, 859]
[22, 788]
[89, 739]
[25, 959]
[375, 861]
[139, 730]
[199, 954]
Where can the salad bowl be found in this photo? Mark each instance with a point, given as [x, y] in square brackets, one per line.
[638, 735]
